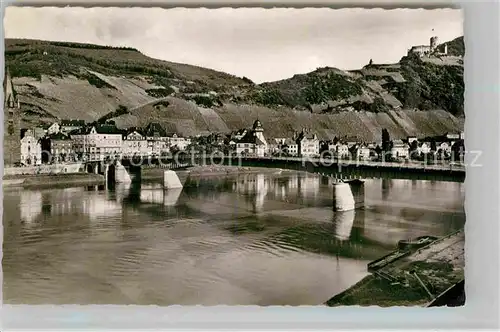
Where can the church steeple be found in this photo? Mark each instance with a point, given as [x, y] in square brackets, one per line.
[12, 123]
[10, 96]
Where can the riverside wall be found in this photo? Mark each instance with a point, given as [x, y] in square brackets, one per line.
[44, 169]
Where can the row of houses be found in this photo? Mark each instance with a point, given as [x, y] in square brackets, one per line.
[307, 144]
[73, 140]
[70, 141]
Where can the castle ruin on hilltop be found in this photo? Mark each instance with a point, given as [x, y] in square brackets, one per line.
[429, 50]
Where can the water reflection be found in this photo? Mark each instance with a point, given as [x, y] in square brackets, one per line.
[245, 239]
[30, 205]
[343, 222]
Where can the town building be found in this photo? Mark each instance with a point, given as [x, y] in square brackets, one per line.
[97, 142]
[444, 148]
[331, 146]
[411, 139]
[213, 139]
[342, 151]
[254, 142]
[52, 128]
[274, 148]
[157, 139]
[135, 143]
[424, 148]
[39, 131]
[31, 149]
[400, 150]
[182, 143]
[308, 144]
[68, 126]
[363, 152]
[57, 148]
[280, 141]
[240, 134]
[290, 147]
[350, 141]
[12, 123]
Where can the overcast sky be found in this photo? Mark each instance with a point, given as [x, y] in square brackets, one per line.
[261, 44]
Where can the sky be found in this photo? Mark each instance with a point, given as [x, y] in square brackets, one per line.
[261, 44]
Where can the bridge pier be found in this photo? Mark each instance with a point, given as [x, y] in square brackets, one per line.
[343, 199]
[171, 180]
[348, 195]
[117, 173]
[121, 174]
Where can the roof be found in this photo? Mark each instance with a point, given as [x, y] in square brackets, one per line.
[48, 125]
[131, 130]
[398, 142]
[59, 137]
[241, 131]
[289, 142]
[251, 138]
[154, 129]
[8, 88]
[100, 129]
[24, 131]
[107, 129]
[73, 123]
[307, 135]
[350, 139]
[257, 125]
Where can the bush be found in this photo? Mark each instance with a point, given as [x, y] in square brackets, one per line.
[160, 92]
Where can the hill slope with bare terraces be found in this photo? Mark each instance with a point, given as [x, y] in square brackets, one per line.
[56, 80]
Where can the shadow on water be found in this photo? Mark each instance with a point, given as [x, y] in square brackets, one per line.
[242, 239]
[341, 236]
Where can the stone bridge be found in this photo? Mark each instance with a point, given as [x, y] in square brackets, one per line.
[348, 192]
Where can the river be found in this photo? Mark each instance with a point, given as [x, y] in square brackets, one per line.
[253, 239]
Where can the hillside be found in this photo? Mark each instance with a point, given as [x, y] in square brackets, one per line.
[58, 80]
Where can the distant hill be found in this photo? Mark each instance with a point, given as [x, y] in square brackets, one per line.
[456, 46]
[59, 80]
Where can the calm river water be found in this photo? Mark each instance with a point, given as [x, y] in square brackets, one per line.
[249, 239]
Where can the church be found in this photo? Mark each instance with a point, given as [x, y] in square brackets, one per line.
[254, 142]
[12, 124]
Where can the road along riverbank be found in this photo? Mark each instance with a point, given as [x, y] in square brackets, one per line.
[147, 174]
[415, 279]
[52, 180]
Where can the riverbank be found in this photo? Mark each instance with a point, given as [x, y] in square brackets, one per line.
[206, 171]
[52, 180]
[414, 280]
[148, 174]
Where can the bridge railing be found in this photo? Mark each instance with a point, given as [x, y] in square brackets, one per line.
[194, 159]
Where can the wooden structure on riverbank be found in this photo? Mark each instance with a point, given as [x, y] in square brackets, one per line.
[416, 277]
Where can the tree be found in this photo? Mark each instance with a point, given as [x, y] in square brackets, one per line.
[433, 146]
[386, 139]
[174, 149]
[458, 151]
[413, 149]
[386, 144]
[10, 128]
